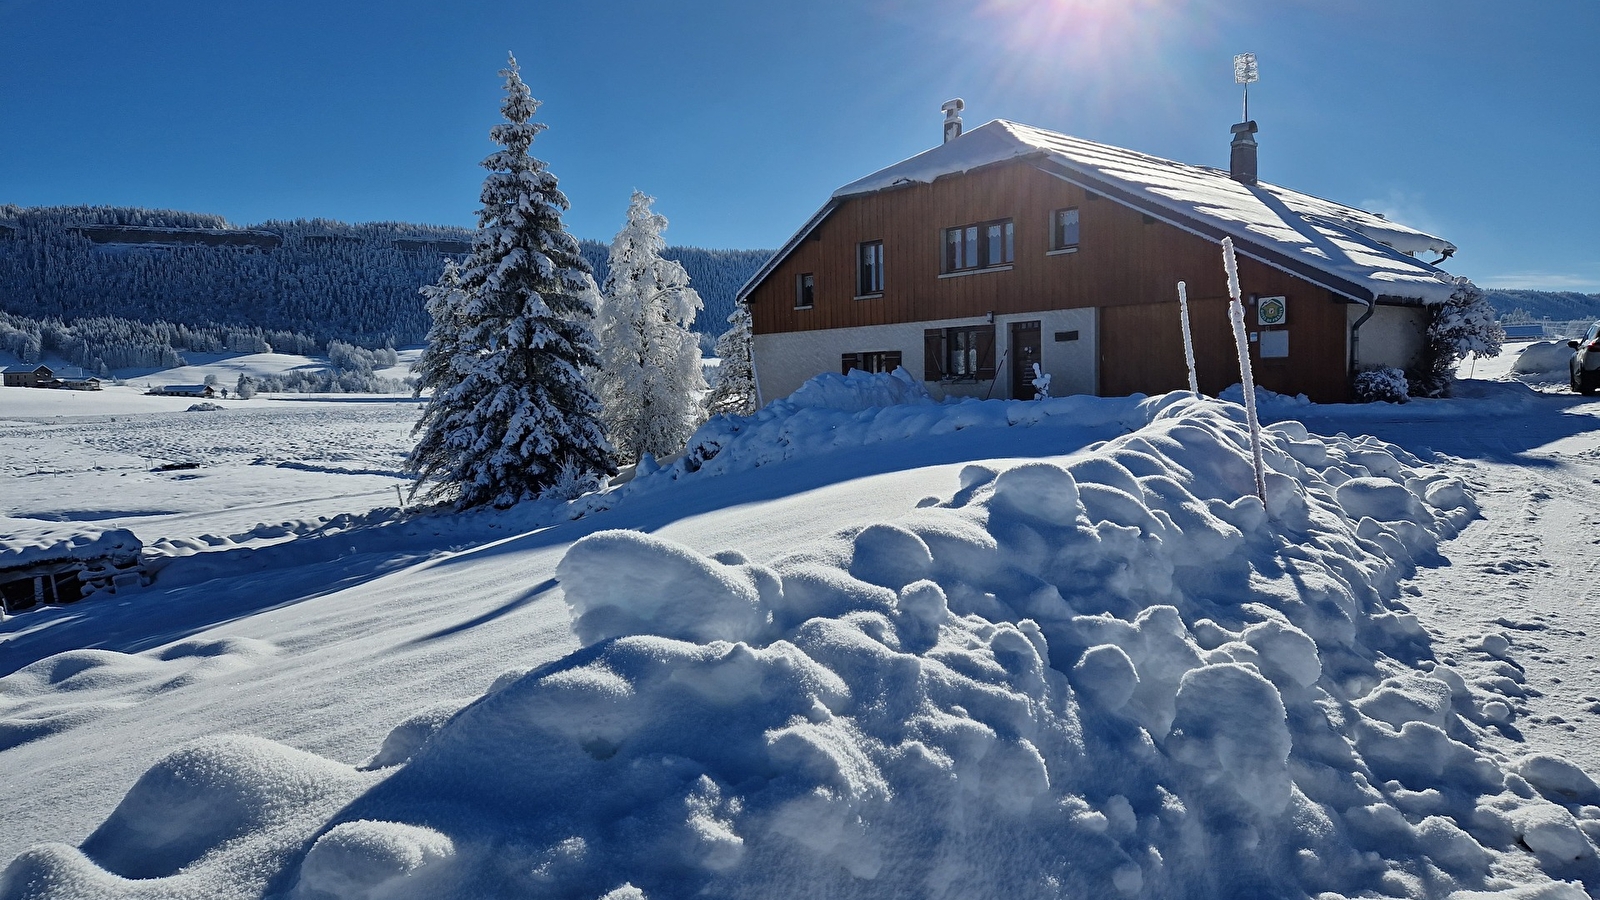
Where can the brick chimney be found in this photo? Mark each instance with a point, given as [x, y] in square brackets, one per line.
[952, 118]
[1242, 158]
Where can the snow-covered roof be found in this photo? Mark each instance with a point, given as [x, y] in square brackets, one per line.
[1351, 251]
[27, 369]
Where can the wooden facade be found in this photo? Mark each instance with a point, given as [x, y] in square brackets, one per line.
[1126, 265]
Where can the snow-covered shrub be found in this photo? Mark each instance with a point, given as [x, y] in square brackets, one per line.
[1464, 325]
[1384, 384]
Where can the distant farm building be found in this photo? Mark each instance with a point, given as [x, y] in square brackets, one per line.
[25, 376]
[184, 390]
[38, 376]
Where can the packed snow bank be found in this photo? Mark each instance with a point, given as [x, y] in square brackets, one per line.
[832, 412]
[27, 542]
[1112, 674]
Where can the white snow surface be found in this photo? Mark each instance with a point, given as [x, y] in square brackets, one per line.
[1351, 243]
[845, 649]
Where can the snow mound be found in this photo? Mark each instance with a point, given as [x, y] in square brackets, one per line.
[103, 681]
[858, 390]
[1112, 674]
[831, 411]
[1543, 362]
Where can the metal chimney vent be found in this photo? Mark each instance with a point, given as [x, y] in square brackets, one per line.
[952, 118]
[1242, 155]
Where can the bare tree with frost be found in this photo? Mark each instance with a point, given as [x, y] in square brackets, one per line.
[512, 416]
[734, 393]
[649, 378]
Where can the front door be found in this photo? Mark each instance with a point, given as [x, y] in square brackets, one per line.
[1024, 353]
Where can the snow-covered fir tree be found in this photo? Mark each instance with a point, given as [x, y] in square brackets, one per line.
[445, 301]
[649, 378]
[512, 416]
[734, 393]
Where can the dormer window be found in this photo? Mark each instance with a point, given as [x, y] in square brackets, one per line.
[983, 245]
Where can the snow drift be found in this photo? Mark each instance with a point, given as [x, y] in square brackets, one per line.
[1112, 674]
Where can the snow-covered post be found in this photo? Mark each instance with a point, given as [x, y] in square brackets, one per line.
[1246, 378]
[1188, 341]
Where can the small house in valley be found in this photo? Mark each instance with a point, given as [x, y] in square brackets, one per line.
[1009, 246]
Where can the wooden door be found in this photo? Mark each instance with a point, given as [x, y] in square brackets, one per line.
[1025, 351]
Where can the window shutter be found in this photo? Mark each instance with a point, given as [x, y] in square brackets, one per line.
[933, 354]
[848, 361]
[986, 354]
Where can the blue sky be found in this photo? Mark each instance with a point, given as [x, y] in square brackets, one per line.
[1479, 121]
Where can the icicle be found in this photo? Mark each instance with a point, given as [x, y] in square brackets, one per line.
[1188, 341]
[1246, 378]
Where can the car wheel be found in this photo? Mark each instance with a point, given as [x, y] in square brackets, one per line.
[1586, 385]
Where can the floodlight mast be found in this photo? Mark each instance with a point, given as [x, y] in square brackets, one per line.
[1245, 73]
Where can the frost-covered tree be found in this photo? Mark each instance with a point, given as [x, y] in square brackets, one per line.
[512, 416]
[245, 387]
[1463, 326]
[649, 377]
[734, 393]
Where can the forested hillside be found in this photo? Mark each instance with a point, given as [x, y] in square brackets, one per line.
[1533, 306]
[278, 282]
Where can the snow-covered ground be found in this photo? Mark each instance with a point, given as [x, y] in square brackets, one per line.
[982, 649]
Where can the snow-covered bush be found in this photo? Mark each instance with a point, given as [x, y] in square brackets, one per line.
[1464, 325]
[1383, 384]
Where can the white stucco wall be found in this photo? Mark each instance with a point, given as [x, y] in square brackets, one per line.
[785, 361]
[1392, 337]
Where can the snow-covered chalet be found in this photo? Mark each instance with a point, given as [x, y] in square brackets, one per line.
[1010, 245]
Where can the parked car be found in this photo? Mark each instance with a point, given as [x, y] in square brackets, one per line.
[1585, 363]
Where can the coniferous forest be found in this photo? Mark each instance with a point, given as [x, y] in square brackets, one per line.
[127, 287]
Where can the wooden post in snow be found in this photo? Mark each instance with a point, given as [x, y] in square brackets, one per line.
[1188, 341]
[1246, 377]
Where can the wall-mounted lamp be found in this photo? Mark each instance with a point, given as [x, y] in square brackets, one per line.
[990, 317]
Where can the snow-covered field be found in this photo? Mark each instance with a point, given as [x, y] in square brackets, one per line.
[994, 649]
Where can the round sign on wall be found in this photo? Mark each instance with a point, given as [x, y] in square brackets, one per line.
[1271, 310]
